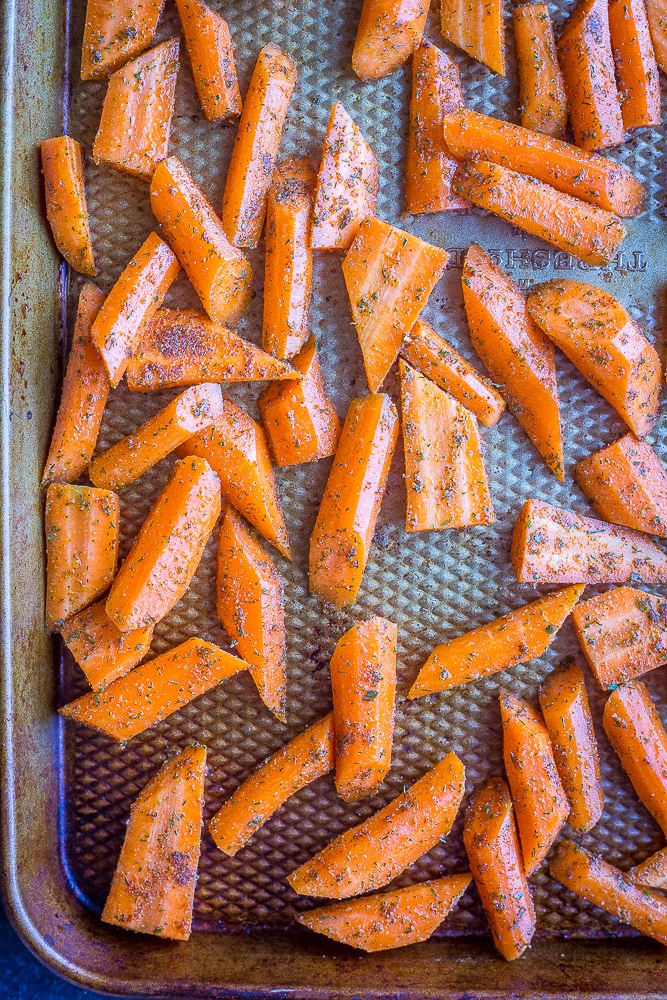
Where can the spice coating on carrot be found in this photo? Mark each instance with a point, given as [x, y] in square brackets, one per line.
[211, 54]
[541, 86]
[636, 67]
[103, 652]
[651, 872]
[656, 11]
[66, 209]
[116, 33]
[478, 29]
[389, 32]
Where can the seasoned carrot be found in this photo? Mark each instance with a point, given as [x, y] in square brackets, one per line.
[363, 684]
[301, 423]
[341, 539]
[237, 450]
[166, 552]
[193, 410]
[389, 32]
[103, 652]
[130, 305]
[567, 715]
[221, 274]
[347, 184]
[251, 608]
[211, 54]
[636, 67]
[541, 86]
[256, 146]
[371, 854]
[519, 358]
[657, 20]
[114, 34]
[66, 209]
[515, 638]
[600, 337]
[477, 29]
[492, 844]
[651, 872]
[134, 130]
[389, 275]
[445, 478]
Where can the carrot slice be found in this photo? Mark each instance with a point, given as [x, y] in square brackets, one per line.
[445, 478]
[371, 854]
[479, 30]
[567, 714]
[389, 275]
[304, 759]
[66, 209]
[389, 919]
[211, 54]
[519, 357]
[221, 274]
[301, 423]
[600, 337]
[651, 872]
[251, 608]
[389, 32]
[347, 184]
[341, 539]
[657, 20]
[541, 86]
[166, 552]
[103, 652]
[363, 683]
[256, 146]
[492, 844]
[636, 67]
[114, 34]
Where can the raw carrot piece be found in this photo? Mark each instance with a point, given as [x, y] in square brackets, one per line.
[541, 86]
[477, 29]
[250, 605]
[651, 872]
[103, 652]
[636, 67]
[445, 478]
[515, 638]
[389, 275]
[134, 130]
[256, 146]
[363, 684]
[519, 358]
[66, 209]
[389, 919]
[82, 530]
[600, 337]
[567, 715]
[657, 21]
[341, 539]
[389, 32]
[492, 844]
[347, 184]
[371, 854]
[166, 552]
[301, 423]
[114, 34]
[193, 410]
[211, 54]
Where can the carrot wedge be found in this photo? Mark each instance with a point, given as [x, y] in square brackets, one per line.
[165, 554]
[114, 34]
[636, 66]
[66, 209]
[345, 525]
[389, 276]
[304, 759]
[651, 872]
[211, 54]
[103, 652]
[541, 86]
[515, 638]
[371, 854]
[477, 29]
[656, 11]
[389, 919]
[389, 32]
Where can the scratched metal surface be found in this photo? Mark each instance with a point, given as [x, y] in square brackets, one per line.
[434, 585]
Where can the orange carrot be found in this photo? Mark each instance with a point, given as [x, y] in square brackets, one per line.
[371, 854]
[66, 209]
[103, 652]
[131, 304]
[636, 68]
[211, 54]
[166, 552]
[363, 683]
[389, 32]
[445, 478]
[600, 337]
[479, 30]
[82, 530]
[519, 357]
[657, 20]
[541, 86]
[567, 715]
[341, 539]
[256, 146]
[347, 184]
[237, 450]
[221, 274]
[389, 275]
[517, 637]
[492, 845]
[304, 759]
[651, 872]
[192, 411]
[112, 35]
[251, 608]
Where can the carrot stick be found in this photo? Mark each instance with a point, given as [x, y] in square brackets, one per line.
[502, 644]
[66, 209]
[211, 55]
[301, 423]
[371, 854]
[636, 67]
[304, 759]
[250, 605]
[221, 275]
[492, 845]
[651, 872]
[114, 34]
[256, 146]
[166, 552]
[657, 21]
[478, 30]
[519, 358]
[389, 32]
[103, 652]
[445, 478]
[341, 539]
[389, 275]
[193, 410]
[541, 86]
[567, 715]
[347, 184]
